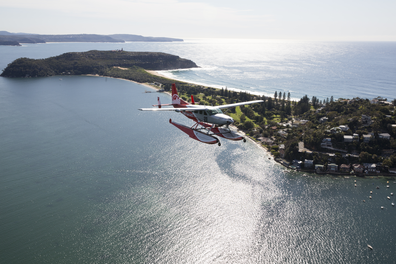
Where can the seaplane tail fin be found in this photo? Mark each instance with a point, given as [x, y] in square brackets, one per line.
[192, 99]
[176, 100]
[159, 103]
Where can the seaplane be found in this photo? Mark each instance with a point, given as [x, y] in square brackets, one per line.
[210, 121]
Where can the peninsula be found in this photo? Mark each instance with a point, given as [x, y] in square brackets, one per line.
[115, 63]
[15, 39]
[342, 137]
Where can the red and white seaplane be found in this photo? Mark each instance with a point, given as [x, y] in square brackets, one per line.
[210, 121]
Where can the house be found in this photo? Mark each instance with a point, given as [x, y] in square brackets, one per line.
[297, 164]
[384, 136]
[344, 128]
[282, 133]
[331, 157]
[355, 137]
[367, 138]
[370, 167]
[308, 164]
[319, 168]
[335, 130]
[282, 150]
[348, 138]
[323, 119]
[358, 168]
[266, 141]
[332, 167]
[345, 167]
[326, 142]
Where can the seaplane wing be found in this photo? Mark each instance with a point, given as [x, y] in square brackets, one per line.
[197, 107]
[189, 108]
[239, 104]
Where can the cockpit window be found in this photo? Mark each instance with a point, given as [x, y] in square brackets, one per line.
[214, 111]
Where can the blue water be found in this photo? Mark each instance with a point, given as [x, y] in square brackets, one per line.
[87, 178]
[321, 69]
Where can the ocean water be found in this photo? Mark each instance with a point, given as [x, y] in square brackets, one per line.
[321, 69]
[87, 178]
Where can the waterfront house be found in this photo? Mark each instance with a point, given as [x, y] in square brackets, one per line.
[308, 164]
[345, 167]
[358, 168]
[370, 167]
[297, 164]
[282, 150]
[348, 138]
[332, 167]
[266, 141]
[319, 168]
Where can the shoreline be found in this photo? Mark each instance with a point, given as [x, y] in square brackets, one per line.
[156, 88]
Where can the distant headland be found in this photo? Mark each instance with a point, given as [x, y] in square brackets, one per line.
[15, 39]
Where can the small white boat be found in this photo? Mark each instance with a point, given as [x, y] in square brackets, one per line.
[382, 207]
[393, 204]
[370, 247]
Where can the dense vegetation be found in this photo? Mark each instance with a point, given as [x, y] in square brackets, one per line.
[285, 122]
[97, 62]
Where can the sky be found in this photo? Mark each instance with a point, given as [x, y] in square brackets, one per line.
[339, 20]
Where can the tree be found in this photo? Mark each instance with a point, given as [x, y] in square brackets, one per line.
[365, 157]
[242, 118]
[248, 125]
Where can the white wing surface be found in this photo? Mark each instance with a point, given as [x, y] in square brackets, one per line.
[239, 104]
[200, 107]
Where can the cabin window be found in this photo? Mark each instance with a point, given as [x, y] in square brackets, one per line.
[214, 111]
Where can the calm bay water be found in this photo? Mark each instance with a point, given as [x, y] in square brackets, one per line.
[87, 178]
